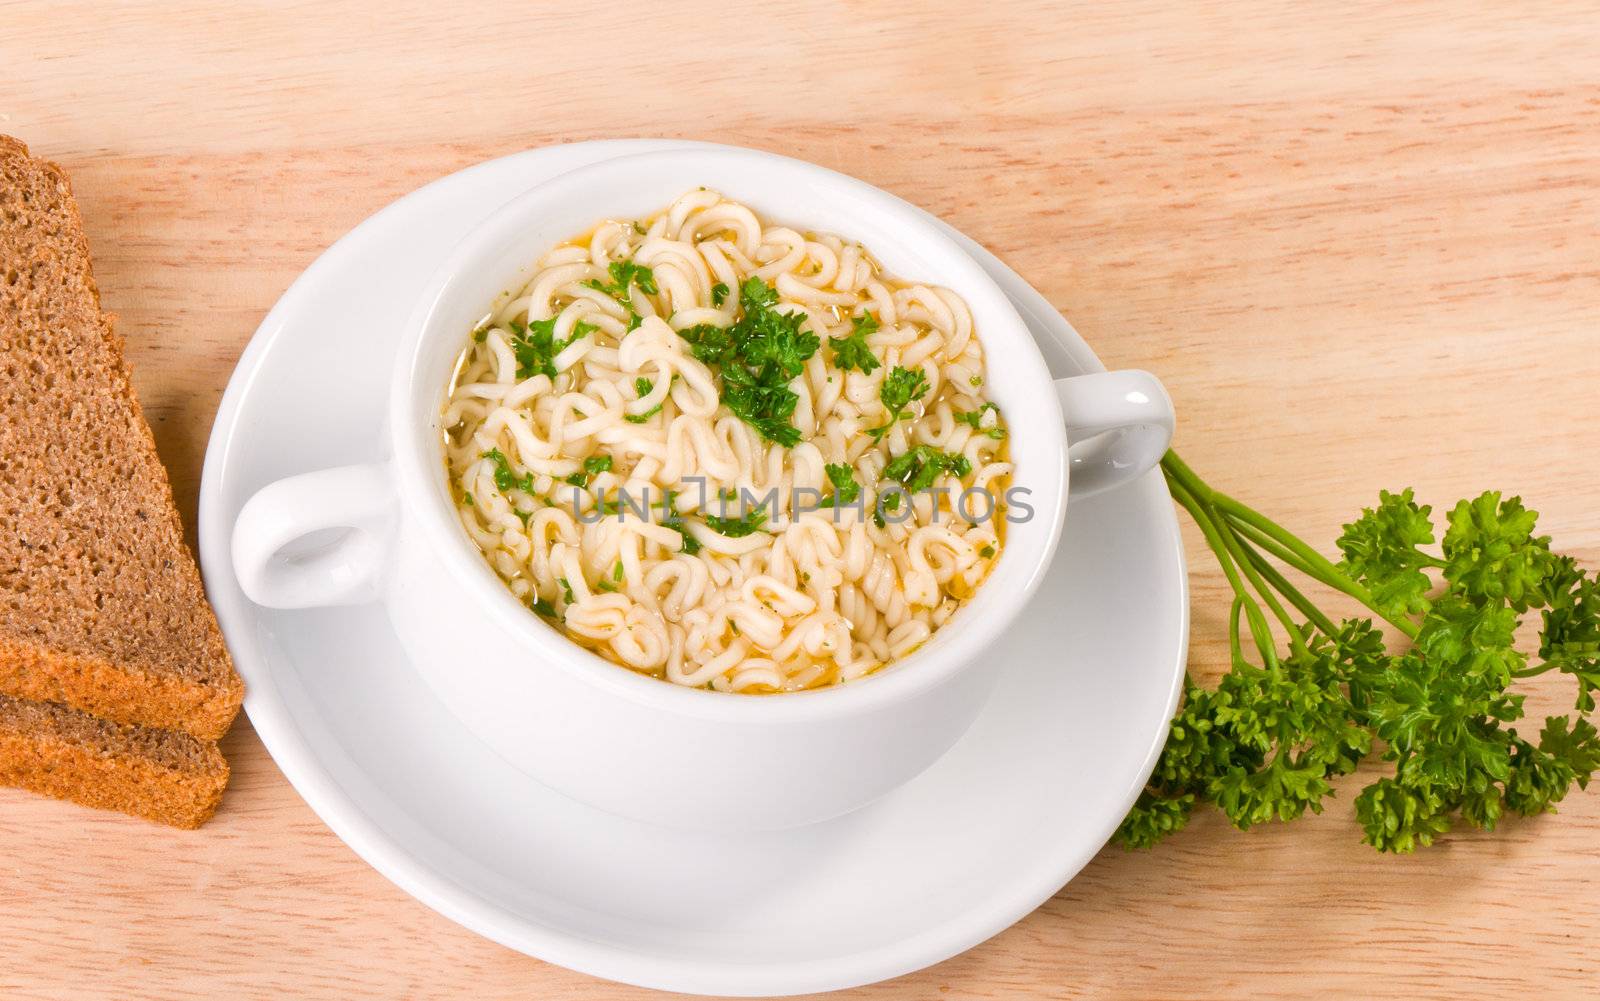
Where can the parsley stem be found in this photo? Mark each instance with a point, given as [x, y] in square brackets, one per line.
[1260, 631]
[1314, 564]
[1318, 567]
[1242, 554]
[1288, 590]
[1235, 648]
[1274, 548]
[1533, 672]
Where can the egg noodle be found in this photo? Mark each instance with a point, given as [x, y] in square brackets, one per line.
[727, 453]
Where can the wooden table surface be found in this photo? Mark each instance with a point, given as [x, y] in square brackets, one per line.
[1359, 242]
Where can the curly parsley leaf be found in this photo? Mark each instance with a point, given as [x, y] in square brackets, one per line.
[851, 351]
[845, 488]
[1491, 553]
[1381, 551]
[1570, 640]
[899, 389]
[1576, 745]
[625, 275]
[1153, 819]
[710, 344]
[756, 295]
[1397, 817]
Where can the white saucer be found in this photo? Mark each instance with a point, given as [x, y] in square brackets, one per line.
[968, 848]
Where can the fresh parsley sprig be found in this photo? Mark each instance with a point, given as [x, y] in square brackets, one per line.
[851, 351]
[625, 275]
[899, 389]
[1268, 741]
[757, 358]
[845, 488]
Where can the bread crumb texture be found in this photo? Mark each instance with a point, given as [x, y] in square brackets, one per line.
[101, 605]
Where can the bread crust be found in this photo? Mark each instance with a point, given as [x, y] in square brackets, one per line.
[167, 777]
[118, 692]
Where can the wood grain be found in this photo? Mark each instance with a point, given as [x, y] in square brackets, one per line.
[1358, 241]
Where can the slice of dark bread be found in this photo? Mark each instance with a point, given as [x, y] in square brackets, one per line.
[162, 775]
[101, 606]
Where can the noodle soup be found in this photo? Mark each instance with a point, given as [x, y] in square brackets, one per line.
[727, 453]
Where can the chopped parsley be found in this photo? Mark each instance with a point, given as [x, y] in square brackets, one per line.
[592, 466]
[545, 609]
[535, 346]
[758, 356]
[708, 343]
[918, 468]
[974, 420]
[845, 487]
[625, 275]
[900, 387]
[466, 498]
[642, 386]
[616, 572]
[566, 590]
[673, 520]
[719, 294]
[738, 528]
[851, 351]
[504, 478]
[987, 552]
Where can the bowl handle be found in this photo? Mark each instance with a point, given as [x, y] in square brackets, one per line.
[1118, 427]
[280, 565]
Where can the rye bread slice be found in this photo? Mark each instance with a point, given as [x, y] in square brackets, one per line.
[162, 775]
[101, 606]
